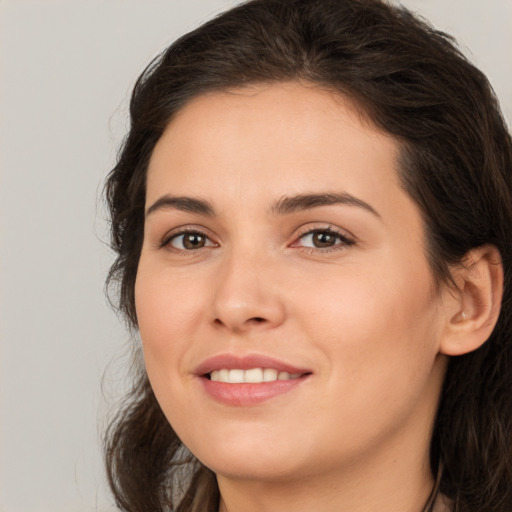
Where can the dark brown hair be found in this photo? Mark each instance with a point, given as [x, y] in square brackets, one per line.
[456, 163]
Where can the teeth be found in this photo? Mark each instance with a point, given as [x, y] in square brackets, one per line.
[253, 376]
[269, 374]
[236, 376]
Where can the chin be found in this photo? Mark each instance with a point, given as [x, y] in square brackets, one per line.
[251, 457]
[261, 467]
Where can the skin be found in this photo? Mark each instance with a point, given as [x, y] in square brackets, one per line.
[363, 315]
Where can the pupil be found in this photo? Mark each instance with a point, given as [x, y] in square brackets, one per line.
[193, 241]
[323, 239]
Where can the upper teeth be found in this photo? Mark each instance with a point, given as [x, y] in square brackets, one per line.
[254, 375]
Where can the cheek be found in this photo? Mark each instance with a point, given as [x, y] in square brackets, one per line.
[379, 349]
[166, 318]
[165, 302]
[166, 313]
[375, 325]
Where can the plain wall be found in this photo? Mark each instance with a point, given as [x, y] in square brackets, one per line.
[66, 69]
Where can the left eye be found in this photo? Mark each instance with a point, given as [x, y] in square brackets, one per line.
[190, 241]
[323, 239]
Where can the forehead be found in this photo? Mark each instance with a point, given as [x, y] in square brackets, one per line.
[280, 136]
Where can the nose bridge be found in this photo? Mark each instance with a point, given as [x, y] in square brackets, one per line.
[246, 295]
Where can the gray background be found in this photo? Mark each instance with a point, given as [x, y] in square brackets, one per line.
[67, 67]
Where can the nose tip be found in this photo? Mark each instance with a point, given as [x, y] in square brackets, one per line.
[242, 300]
[243, 317]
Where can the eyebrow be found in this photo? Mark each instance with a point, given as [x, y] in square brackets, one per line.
[285, 205]
[301, 202]
[185, 204]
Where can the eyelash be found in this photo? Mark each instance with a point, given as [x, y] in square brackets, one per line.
[166, 241]
[344, 240]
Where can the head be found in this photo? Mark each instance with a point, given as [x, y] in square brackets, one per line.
[452, 157]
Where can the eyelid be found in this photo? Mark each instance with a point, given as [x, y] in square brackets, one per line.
[165, 240]
[346, 238]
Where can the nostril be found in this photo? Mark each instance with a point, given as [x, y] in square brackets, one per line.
[240, 325]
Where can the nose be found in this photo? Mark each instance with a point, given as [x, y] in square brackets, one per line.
[247, 294]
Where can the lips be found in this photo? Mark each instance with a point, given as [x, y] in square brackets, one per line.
[248, 380]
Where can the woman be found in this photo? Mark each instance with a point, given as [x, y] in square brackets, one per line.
[312, 219]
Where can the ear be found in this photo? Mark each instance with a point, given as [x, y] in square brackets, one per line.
[473, 307]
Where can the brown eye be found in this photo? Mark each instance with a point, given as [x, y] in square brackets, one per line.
[190, 241]
[324, 239]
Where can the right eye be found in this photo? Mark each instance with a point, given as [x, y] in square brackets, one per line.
[189, 241]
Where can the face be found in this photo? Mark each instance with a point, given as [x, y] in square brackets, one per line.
[289, 318]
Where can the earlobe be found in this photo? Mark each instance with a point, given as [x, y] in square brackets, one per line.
[474, 307]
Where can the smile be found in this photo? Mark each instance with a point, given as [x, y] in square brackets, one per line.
[249, 380]
[251, 376]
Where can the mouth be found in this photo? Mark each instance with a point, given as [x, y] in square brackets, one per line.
[248, 380]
